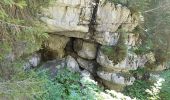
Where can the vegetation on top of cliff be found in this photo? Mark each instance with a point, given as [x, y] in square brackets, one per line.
[21, 32]
[19, 24]
[136, 5]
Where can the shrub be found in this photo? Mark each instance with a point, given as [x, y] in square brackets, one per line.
[137, 90]
[165, 90]
[66, 85]
[155, 90]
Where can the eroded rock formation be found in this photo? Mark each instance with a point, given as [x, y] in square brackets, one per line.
[92, 24]
[99, 35]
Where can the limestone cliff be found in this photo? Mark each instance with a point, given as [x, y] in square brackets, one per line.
[90, 25]
[92, 35]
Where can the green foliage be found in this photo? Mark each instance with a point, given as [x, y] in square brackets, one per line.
[147, 44]
[21, 33]
[154, 32]
[19, 24]
[155, 89]
[140, 73]
[38, 85]
[66, 85]
[134, 5]
[22, 86]
[116, 53]
[138, 89]
[165, 90]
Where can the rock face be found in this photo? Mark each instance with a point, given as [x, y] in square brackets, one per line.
[131, 62]
[116, 78]
[85, 49]
[110, 16]
[66, 17]
[132, 40]
[130, 23]
[92, 25]
[107, 38]
[88, 19]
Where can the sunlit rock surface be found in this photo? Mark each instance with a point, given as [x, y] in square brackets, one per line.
[110, 16]
[107, 38]
[89, 25]
[72, 64]
[85, 49]
[69, 16]
[116, 78]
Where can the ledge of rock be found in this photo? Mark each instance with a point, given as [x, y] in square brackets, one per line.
[56, 45]
[115, 80]
[131, 62]
[107, 38]
[88, 19]
[69, 16]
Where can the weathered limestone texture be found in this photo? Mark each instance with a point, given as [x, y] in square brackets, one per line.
[92, 25]
[69, 16]
[85, 49]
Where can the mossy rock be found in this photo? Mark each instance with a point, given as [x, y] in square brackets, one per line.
[116, 53]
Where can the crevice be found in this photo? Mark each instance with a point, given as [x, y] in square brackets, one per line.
[69, 49]
[92, 25]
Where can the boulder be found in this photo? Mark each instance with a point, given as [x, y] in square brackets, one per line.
[35, 59]
[103, 60]
[85, 49]
[32, 61]
[72, 64]
[86, 78]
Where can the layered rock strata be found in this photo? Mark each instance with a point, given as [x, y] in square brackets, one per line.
[94, 30]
